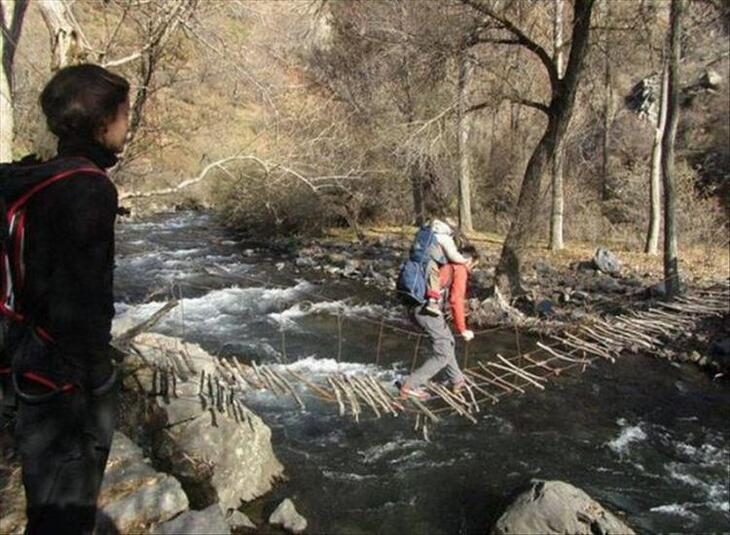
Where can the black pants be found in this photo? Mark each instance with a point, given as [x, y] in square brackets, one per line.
[63, 442]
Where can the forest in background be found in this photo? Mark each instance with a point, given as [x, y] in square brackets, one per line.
[298, 115]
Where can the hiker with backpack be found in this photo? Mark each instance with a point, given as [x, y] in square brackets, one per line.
[57, 299]
[412, 288]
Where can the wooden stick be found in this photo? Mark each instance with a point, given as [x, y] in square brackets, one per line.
[333, 384]
[557, 355]
[541, 364]
[506, 387]
[291, 389]
[596, 350]
[396, 404]
[474, 405]
[437, 389]
[501, 379]
[364, 394]
[602, 339]
[478, 388]
[424, 409]
[311, 385]
[352, 398]
[147, 324]
[378, 394]
[519, 372]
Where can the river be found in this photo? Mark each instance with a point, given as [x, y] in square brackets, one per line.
[641, 436]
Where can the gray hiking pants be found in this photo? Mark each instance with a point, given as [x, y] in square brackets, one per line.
[443, 346]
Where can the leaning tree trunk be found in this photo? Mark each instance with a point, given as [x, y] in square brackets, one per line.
[465, 220]
[508, 274]
[671, 260]
[12, 13]
[558, 204]
[655, 214]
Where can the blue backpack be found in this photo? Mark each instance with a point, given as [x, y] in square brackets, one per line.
[411, 285]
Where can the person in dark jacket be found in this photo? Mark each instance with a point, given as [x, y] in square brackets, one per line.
[65, 381]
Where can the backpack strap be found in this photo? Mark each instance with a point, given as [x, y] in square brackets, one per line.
[12, 273]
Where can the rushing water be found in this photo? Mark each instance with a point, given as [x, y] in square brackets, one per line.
[640, 436]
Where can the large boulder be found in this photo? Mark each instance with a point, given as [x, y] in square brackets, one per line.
[133, 494]
[607, 262]
[218, 457]
[557, 507]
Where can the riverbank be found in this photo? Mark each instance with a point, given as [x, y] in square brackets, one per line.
[179, 462]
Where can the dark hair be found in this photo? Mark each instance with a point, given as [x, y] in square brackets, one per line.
[468, 249]
[79, 101]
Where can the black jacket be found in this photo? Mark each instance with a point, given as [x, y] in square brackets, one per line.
[69, 254]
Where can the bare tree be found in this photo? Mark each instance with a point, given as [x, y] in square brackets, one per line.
[559, 111]
[671, 259]
[466, 66]
[655, 179]
[12, 13]
[558, 204]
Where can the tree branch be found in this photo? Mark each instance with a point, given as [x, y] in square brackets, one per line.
[521, 38]
[531, 104]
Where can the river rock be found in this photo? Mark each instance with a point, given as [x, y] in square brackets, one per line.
[608, 285]
[557, 507]
[287, 516]
[209, 520]
[216, 457]
[606, 261]
[544, 307]
[129, 481]
[238, 520]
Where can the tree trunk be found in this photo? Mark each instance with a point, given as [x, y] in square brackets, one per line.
[64, 36]
[417, 189]
[671, 260]
[12, 13]
[508, 275]
[65, 50]
[655, 214]
[556, 213]
[607, 104]
[465, 220]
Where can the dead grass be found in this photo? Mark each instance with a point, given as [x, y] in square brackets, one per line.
[699, 264]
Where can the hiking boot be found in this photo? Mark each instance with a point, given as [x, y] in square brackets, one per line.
[432, 308]
[415, 393]
[458, 387]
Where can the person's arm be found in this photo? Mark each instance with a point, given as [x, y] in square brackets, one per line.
[450, 250]
[81, 301]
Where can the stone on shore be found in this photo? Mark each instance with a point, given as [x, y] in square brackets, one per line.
[606, 261]
[238, 520]
[287, 516]
[129, 481]
[208, 521]
[557, 507]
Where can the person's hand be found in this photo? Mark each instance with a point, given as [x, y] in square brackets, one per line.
[471, 264]
[468, 335]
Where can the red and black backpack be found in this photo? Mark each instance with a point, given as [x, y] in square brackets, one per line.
[19, 183]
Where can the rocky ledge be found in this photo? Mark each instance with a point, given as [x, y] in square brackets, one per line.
[174, 467]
